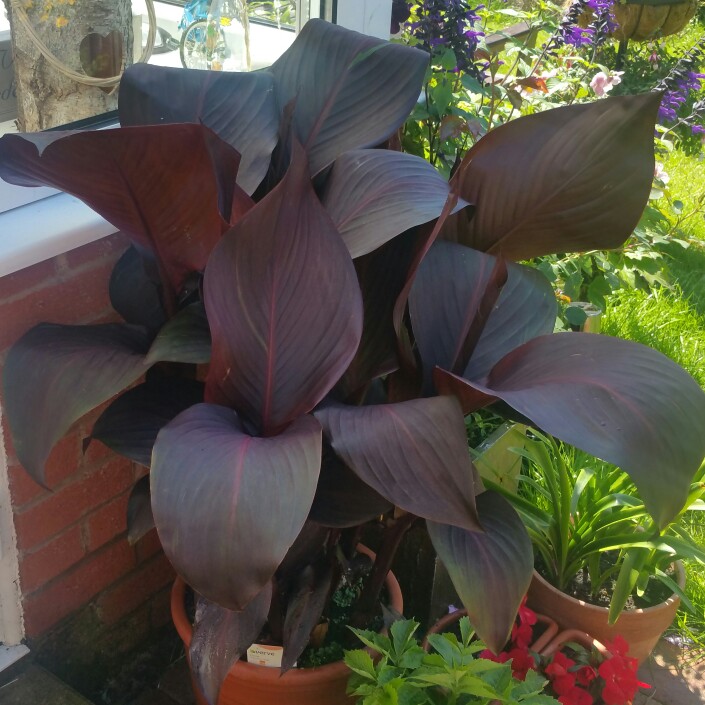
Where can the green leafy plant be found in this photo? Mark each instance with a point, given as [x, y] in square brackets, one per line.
[585, 516]
[402, 672]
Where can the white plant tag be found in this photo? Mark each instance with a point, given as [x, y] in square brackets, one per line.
[265, 655]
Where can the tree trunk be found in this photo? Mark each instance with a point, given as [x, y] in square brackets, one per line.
[46, 97]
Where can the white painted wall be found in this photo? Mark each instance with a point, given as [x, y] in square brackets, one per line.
[366, 16]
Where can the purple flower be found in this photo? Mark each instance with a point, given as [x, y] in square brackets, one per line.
[449, 24]
[698, 129]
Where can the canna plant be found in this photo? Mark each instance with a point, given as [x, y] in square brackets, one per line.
[309, 315]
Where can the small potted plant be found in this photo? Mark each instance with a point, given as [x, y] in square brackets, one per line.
[598, 550]
[308, 316]
[398, 669]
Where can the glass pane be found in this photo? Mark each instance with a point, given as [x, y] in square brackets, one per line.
[93, 37]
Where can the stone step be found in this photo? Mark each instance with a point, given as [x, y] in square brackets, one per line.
[35, 686]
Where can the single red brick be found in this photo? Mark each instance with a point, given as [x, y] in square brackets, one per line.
[135, 589]
[64, 460]
[54, 558]
[95, 453]
[56, 512]
[148, 546]
[109, 248]
[26, 280]
[107, 522]
[74, 589]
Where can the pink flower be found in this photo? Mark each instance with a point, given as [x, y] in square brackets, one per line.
[603, 83]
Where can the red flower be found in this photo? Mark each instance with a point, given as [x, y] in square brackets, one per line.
[562, 680]
[585, 675]
[618, 647]
[522, 661]
[576, 696]
[621, 683]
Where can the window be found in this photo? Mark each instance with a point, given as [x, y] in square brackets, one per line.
[240, 41]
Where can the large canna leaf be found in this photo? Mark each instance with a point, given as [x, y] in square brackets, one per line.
[372, 195]
[135, 290]
[228, 505]
[55, 374]
[491, 569]
[569, 179]
[140, 519]
[186, 337]
[305, 607]
[350, 90]
[415, 454]
[138, 179]
[447, 300]
[221, 636]
[284, 306]
[620, 401]
[239, 107]
[130, 424]
[342, 499]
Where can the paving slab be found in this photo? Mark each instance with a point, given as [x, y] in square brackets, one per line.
[154, 697]
[677, 677]
[35, 686]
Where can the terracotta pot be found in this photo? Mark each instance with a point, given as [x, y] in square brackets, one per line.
[247, 684]
[641, 627]
[448, 620]
[645, 20]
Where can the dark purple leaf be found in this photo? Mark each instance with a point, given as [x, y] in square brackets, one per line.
[137, 179]
[448, 294]
[305, 609]
[620, 401]
[382, 275]
[284, 306]
[130, 425]
[414, 453]
[221, 637]
[239, 107]
[342, 499]
[140, 519]
[309, 543]
[372, 195]
[351, 90]
[490, 569]
[470, 398]
[135, 290]
[569, 179]
[400, 306]
[184, 338]
[54, 374]
[228, 505]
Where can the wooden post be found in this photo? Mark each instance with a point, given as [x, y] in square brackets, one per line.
[91, 37]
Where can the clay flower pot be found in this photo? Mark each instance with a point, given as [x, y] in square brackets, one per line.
[447, 621]
[645, 19]
[641, 627]
[248, 684]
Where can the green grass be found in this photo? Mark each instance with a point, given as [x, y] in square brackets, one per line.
[663, 320]
[669, 322]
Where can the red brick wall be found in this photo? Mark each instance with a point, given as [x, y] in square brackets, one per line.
[71, 540]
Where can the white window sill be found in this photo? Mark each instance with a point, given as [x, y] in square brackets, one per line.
[46, 228]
